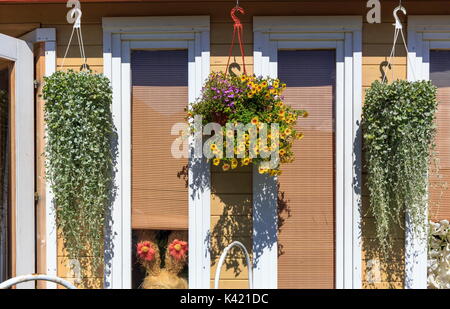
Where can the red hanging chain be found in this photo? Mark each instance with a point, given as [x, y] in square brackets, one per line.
[239, 29]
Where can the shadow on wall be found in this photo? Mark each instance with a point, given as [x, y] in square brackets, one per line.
[109, 235]
[239, 213]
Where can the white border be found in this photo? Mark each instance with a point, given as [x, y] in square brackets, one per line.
[120, 36]
[22, 54]
[424, 33]
[342, 33]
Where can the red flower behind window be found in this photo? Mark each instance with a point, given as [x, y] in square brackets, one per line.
[145, 251]
[178, 249]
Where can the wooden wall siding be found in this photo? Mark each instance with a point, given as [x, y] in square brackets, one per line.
[231, 219]
[377, 41]
[39, 56]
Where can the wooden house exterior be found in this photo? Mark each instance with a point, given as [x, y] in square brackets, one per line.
[314, 231]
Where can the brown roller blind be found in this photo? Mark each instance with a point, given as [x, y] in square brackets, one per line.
[440, 76]
[160, 94]
[306, 237]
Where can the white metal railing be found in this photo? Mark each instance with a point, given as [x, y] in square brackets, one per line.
[25, 278]
[222, 260]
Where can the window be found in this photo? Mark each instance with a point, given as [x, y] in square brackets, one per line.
[429, 59]
[308, 51]
[159, 183]
[146, 43]
[306, 189]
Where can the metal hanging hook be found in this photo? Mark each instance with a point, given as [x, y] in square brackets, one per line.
[398, 23]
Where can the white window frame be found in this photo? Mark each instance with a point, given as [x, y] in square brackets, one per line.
[342, 33]
[21, 54]
[48, 37]
[425, 33]
[120, 36]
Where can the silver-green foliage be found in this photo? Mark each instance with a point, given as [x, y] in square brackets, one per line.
[79, 158]
[399, 131]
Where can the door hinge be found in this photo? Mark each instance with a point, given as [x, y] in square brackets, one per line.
[36, 84]
[36, 196]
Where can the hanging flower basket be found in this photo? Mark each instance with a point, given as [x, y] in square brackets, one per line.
[256, 103]
[399, 130]
[79, 158]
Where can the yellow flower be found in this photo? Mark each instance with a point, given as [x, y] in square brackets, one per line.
[259, 88]
[243, 78]
[255, 121]
[262, 170]
[276, 84]
[226, 167]
[216, 161]
[305, 114]
[264, 84]
[213, 147]
[234, 163]
[299, 136]
[282, 152]
[281, 113]
[245, 161]
[283, 86]
[288, 131]
[267, 96]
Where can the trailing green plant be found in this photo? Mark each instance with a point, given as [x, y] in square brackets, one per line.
[399, 131]
[79, 158]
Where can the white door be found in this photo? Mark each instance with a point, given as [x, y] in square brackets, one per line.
[16, 56]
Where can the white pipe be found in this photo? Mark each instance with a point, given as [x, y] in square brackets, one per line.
[13, 281]
[222, 259]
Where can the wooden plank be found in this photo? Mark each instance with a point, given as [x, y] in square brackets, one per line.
[95, 69]
[231, 284]
[223, 33]
[368, 229]
[235, 270]
[382, 285]
[219, 242]
[373, 72]
[232, 226]
[17, 29]
[377, 53]
[66, 271]
[92, 34]
[88, 283]
[231, 204]
[41, 266]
